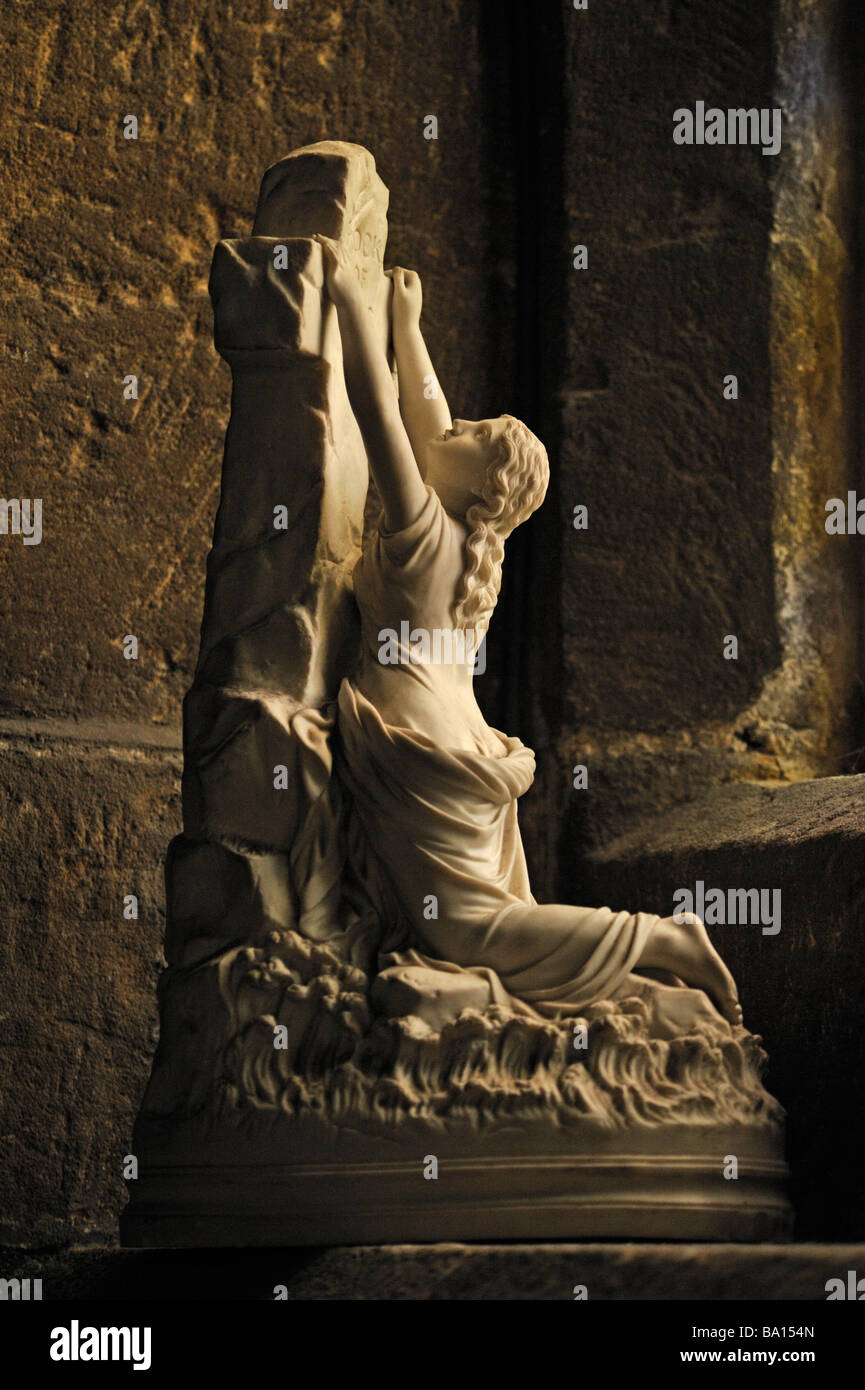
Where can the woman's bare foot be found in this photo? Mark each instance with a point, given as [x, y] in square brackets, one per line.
[684, 947]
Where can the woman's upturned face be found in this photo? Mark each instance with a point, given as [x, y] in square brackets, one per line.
[459, 459]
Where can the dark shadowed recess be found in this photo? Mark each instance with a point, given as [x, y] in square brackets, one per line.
[525, 131]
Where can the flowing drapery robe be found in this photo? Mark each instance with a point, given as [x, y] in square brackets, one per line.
[439, 819]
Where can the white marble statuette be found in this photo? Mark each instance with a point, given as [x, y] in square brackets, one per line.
[370, 1030]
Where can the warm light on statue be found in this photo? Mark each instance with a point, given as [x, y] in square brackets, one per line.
[360, 978]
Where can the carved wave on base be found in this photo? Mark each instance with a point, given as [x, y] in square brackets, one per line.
[339, 1061]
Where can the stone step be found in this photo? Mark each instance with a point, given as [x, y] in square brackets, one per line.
[802, 986]
[610, 1272]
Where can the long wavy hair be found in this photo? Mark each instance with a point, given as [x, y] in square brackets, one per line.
[515, 486]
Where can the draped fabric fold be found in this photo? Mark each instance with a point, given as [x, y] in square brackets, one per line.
[445, 823]
[411, 847]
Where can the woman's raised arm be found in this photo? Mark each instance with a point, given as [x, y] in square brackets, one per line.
[421, 401]
[373, 397]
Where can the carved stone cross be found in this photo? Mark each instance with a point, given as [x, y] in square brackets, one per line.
[280, 625]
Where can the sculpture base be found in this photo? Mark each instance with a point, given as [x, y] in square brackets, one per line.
[587, 1185]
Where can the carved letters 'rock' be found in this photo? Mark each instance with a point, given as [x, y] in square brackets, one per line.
[297, 1091]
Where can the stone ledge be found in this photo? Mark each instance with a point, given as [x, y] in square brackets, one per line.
[741, 814]
[101, 733]
[803, 990]
[451, 1272]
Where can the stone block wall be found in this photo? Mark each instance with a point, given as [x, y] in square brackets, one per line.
[108, 245]
[705, 514]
